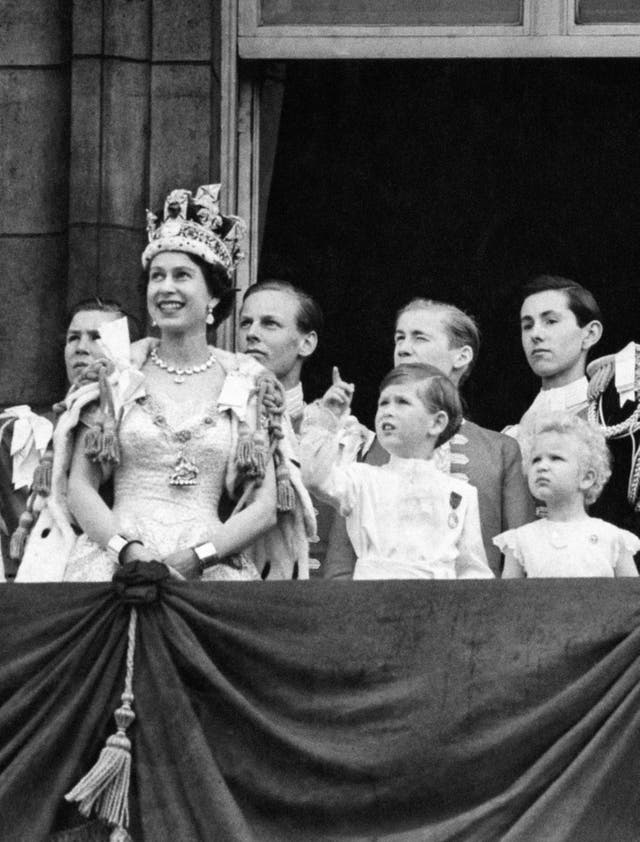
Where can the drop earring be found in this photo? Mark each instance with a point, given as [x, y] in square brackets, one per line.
[209, 319]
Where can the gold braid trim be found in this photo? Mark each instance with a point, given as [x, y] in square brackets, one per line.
[254, 449]
[101, 441]
[601, 373]
[600, 378]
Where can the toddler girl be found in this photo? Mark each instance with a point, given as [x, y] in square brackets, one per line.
[406, 519]
[567, 465]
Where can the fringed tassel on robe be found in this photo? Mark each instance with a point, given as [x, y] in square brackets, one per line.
[20, 537]
[101, 440]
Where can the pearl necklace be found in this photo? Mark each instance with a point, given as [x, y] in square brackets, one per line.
[181, 373]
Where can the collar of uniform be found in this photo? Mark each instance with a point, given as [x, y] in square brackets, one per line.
[569, 398]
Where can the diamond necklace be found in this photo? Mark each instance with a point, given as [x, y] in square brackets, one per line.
[181, 373]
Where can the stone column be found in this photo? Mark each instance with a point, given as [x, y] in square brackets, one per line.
[145, 119]
[34, 109]
[105, 107]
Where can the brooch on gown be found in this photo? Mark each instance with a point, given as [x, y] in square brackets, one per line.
[185, 470]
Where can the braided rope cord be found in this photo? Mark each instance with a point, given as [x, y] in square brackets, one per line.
[615, 431]
[600, 379]
[131, 650]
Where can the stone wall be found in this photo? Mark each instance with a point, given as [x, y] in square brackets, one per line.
[105, 107]
[35, 105]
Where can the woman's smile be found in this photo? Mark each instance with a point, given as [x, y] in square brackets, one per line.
[169, 305]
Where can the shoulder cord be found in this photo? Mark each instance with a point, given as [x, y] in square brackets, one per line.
[254, 449]
[617, 431]
[600, 379]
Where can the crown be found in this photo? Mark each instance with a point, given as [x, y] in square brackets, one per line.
[196, 225]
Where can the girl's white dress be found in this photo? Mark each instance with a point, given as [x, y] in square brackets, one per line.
[405, 519]
[586, 547]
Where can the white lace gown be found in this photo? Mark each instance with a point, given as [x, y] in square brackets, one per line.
[162, 442]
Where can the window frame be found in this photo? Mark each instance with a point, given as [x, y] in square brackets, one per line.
[597, 29]
[549, 29]
[249, 26]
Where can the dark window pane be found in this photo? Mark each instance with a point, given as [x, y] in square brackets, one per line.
[391, 12]
[608, 11]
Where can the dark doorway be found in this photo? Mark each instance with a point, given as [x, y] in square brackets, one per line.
[455, 180]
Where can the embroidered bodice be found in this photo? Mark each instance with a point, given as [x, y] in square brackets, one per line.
[174, 458]
[173, 462]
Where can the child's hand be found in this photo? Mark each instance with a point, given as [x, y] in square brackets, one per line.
[338, 397]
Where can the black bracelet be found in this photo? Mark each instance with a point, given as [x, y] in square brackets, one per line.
[123, 550]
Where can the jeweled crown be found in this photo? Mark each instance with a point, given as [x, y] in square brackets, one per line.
[194, 224]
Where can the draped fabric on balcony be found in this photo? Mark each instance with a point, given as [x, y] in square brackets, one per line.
[326, 710]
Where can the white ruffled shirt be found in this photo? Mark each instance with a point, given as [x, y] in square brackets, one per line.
[587, 547]
[405, 519]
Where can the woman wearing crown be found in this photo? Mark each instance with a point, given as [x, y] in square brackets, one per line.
[204, 422]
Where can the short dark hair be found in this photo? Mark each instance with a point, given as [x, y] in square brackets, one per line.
[435, 390]
[461, 328]
[106, 305]
[579, 300]
[309, 316]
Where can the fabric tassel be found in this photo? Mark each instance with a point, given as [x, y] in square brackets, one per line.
[101, 441]
[244, 453]
[19, 538]
[110, 451]
[93, 441]
[260, 454]
[272, 405]
[286, 501]
[105, 788]
[42, 475]
[252, 453]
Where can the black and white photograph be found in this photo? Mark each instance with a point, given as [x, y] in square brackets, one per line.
[319, 340]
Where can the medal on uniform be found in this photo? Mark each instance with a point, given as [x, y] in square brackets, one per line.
[454, 501]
